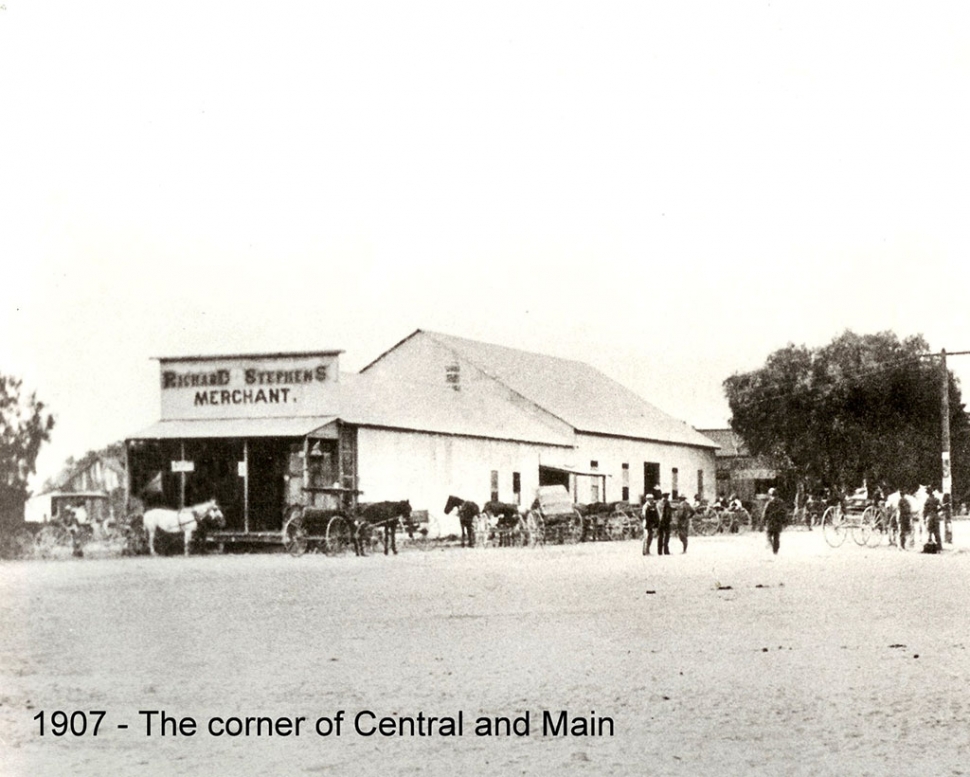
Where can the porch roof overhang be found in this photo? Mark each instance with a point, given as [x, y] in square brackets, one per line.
[594, 473]
[223, 428]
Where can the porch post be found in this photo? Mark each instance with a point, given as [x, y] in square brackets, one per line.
[246, 486]
[181, 475]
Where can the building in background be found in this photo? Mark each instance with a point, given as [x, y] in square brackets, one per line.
[738, 472]
[98, 482]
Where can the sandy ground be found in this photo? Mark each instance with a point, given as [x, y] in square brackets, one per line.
[727, 660]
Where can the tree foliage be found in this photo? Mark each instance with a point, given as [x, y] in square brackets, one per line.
[24, 427]
[862, 408]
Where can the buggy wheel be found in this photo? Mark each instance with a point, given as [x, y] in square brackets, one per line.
[861, 530]
[833, 527]
[707, 522]
[878, 523]
[294, 533]
[340, 535]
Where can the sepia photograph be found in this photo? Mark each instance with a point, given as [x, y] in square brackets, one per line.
[484, 388]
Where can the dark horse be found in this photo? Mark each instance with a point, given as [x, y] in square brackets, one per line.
[507, 519]
[467, 513]
[386, 515]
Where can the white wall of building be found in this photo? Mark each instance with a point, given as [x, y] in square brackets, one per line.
[428, 468]
[611, 453]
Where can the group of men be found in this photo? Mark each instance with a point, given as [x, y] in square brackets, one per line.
[659, 515]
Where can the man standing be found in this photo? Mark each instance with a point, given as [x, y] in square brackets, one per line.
[685, 511]
[931, 513]
[774, 519]
[651, 522]
[905, 520]
[666, 514]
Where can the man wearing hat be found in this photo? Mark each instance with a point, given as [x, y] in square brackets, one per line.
[774, 519]
[665, 511]
[651, 522]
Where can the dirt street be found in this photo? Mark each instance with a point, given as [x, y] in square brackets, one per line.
[727, 661]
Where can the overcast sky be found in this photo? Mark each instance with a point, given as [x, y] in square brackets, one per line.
[668, 191]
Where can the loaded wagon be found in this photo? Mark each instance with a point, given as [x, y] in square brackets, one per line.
[553, 517]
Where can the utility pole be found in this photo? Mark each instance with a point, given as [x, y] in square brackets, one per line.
[947, 477]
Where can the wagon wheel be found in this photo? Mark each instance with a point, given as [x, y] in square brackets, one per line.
[572, 527]
[294, 533]
[340, 535]
[634, 529]
[707, 522]
[616, 526]
[833, 526]
[878, 523]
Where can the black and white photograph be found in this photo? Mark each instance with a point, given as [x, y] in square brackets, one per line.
[513, 388]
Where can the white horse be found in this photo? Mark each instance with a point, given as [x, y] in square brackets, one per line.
[185, 521]
[916, 501]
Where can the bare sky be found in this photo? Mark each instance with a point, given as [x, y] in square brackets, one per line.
[668, 191]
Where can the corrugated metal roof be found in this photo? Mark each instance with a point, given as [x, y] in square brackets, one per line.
[232, 427]
[575, 392]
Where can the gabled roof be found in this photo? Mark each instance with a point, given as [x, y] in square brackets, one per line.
[367, 400]
[67, 474]
[572, 391]
[729, 444]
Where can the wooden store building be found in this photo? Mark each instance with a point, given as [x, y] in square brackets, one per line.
[432, 416]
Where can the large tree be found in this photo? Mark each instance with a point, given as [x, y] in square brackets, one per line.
[24, 427]
[863, 407]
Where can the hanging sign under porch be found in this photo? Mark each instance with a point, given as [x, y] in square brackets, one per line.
[183, 466]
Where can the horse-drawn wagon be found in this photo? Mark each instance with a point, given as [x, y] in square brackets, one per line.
[609, 521]
[338, 523]
[553, 517]
[857, 515]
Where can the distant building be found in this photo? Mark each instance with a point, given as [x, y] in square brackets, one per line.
[739, 472]
[98, 482]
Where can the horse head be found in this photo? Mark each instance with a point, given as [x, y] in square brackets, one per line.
[452, 503]
[213, 514]
[406, 509]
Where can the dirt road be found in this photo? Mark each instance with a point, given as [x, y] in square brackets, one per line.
[727, 660]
